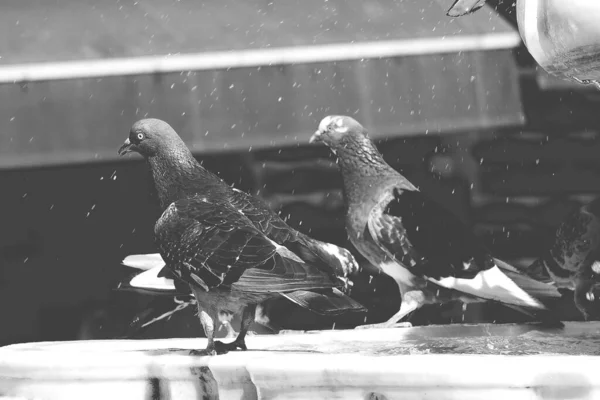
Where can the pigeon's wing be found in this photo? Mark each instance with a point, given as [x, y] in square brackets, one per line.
[210, 244]
[262, 217]
[143, 261]
[330, 258]
[426, 237]
[433, 243]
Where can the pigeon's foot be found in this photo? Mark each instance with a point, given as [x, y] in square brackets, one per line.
[205, 352]
[217, 348]
[223, 348]
[385, 325]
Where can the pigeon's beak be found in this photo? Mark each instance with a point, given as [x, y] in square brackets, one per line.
[316, 137]
[127, 147]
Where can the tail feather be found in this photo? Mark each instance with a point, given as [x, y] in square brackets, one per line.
[144, 261]
[323, 299]
[542, 291]
[538, 271]
[539, 290]
[329, 303]
[544, 316]
[492, 284]
[150, 280]
[153, 282]
[284, 272]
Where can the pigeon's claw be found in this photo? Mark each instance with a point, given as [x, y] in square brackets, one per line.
[223, 348]
[205, 352]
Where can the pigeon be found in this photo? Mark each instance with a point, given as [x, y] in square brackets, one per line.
[464, 7]
[246, 267]
[228, 263]
[426, 249]
[573, 261]
[189, 177]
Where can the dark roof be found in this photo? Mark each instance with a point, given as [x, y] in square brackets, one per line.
[59, 30]
[82, 120]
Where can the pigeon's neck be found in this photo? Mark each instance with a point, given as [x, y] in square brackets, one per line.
[361, 165]
[177, 175]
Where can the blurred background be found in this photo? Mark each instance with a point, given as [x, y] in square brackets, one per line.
[457, 105]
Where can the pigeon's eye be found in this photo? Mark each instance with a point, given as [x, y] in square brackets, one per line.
[140, 136]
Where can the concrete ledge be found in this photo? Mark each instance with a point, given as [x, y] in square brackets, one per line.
[434, 362]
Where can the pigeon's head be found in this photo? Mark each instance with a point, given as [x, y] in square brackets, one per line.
[338, 131]
[150, 136]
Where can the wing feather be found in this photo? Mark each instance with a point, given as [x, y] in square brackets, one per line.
[433, 243]
[212, 244]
